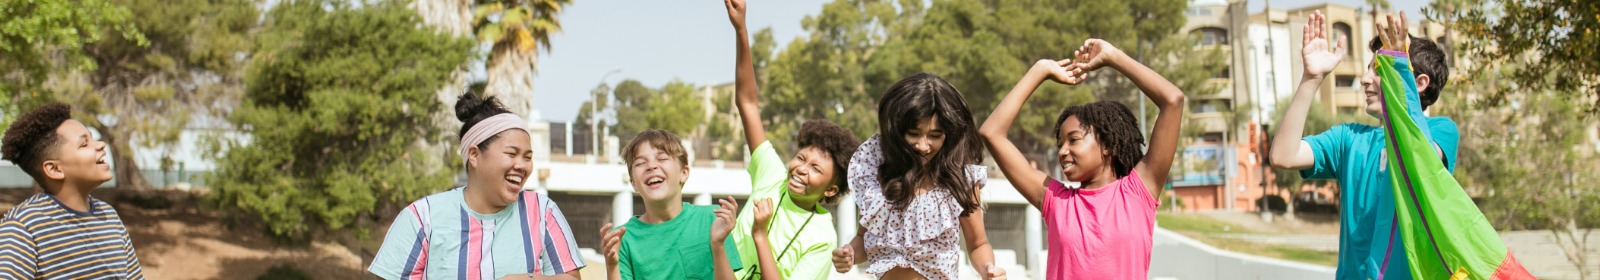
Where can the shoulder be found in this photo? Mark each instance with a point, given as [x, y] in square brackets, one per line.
[34, 209]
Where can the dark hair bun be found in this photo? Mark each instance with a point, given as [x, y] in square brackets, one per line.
[473, 108]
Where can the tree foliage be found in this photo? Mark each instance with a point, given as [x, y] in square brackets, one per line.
[676, 107]
[1562, 37]
[39, 38]
[857, 48]
[337, 103]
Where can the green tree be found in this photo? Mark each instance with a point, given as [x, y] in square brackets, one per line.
[1561, 36]
[676, 107]
[144, 92]
[515, 29]
[1531, 160]
[856, 48]
[338, 104]
[39, 38]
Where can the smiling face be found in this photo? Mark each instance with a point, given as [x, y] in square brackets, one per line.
[81, 160]
[656, 174]
[1081, 156]
[500, 171]
[926, 139]
[811, 175]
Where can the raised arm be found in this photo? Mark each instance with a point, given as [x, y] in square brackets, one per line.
[1288, 150]
[1028, 180]
[1167, 97]
[744, 78]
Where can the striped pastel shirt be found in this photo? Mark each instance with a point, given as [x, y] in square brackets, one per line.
[438, 237]
[43, 239]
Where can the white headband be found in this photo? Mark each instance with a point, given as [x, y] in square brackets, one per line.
[488, 128]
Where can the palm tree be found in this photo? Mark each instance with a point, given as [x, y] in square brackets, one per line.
[515, 29]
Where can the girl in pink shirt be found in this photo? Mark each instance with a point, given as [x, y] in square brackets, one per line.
[1102, 229]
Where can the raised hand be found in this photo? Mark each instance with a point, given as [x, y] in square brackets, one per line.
[610, 243]
[763, 213]
[735, 12]
[1319, 60]
[843, 259]
[725, 216]
[1061, 71]
[1096, 53]
[1394, 36]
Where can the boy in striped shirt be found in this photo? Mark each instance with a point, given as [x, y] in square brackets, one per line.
[62, 233]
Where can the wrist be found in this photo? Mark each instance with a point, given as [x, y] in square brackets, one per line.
[1308, 76]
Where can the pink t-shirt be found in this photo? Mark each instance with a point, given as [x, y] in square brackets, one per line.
[1101, 233]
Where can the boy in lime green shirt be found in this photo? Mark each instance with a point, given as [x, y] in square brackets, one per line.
[795, 238]
[673, 239]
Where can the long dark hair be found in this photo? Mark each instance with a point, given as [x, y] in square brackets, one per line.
[902, 106]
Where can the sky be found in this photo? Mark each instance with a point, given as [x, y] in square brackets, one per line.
[657, 41]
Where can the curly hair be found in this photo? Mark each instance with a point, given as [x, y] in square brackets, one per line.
[838, 143]
[1426, 59]
[1114, 127]
[473, 108]
[902, 106]
[31, 139]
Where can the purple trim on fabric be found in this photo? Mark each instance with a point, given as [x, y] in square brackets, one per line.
[1393, 53]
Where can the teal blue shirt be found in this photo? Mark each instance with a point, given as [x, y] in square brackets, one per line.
[1353, 154]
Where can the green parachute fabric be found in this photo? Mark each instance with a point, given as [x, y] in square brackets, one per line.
[1445, 235]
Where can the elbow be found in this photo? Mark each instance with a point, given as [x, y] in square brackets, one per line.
[1279, 161]
[991, 132]
[1176, 99]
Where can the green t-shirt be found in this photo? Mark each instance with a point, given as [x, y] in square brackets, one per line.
[810, 254]
[676, 249]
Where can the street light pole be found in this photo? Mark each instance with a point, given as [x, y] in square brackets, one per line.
[594, 114]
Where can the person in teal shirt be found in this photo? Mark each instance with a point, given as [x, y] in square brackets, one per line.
[1354, 154]
[795, 238]
[673, 239]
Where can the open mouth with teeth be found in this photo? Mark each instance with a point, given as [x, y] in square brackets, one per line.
[655, 181]
[515, 180]
[796, 182]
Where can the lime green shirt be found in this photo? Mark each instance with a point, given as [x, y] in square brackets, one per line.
[679, 248]
[809, 256]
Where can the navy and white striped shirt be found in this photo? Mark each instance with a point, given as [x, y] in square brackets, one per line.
[42, 239]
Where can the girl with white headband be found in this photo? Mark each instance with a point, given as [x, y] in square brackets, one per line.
[490, 229]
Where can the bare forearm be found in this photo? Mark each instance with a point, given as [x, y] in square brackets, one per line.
[1291, 127]
[1013, 163]
[720, 265]
[746, 91]
[982, 256]
[769, 266]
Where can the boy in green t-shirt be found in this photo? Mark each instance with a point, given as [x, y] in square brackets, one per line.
[673, 239]
[793, 239]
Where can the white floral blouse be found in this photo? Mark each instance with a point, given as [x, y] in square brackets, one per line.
[923, 237]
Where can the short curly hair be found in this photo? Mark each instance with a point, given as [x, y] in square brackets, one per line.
[32, 138]
[839, 144]
[1114, 127]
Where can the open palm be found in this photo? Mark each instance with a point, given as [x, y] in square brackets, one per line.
[1319, 59]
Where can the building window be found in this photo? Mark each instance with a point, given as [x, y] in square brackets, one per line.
[1345, 81]
[1224, 73]
[1210, 36]
[1197, 12]
[1342, 30]
[1208, 106]
[1212, 137]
